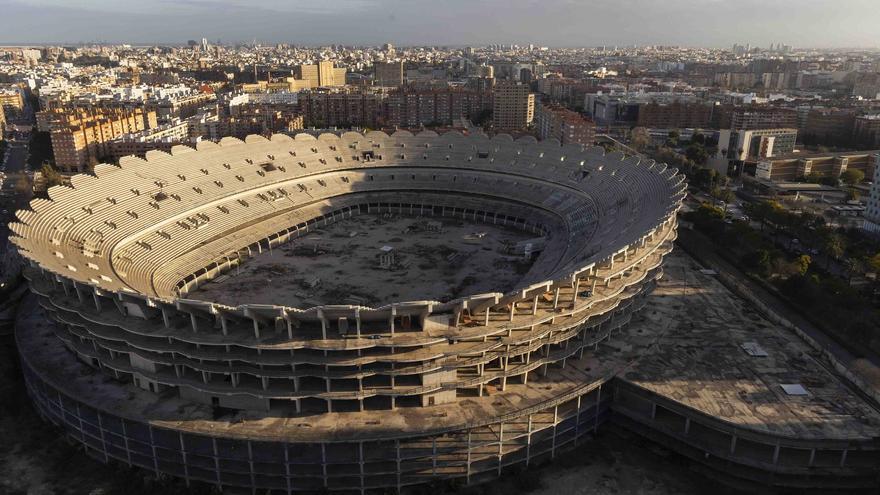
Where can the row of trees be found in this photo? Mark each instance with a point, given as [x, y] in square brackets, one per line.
[824, 295]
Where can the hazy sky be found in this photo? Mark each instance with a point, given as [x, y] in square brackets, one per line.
[806, 23]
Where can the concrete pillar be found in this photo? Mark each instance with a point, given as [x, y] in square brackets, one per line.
[256, 328]
[843, 457]
[165, 318]
[512, 309]
[500, 445]
[223, 325]
[194, 322]
[535, 305]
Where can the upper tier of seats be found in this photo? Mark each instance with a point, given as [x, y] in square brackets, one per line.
[178, 212]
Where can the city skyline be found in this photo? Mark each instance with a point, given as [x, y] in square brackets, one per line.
[369, 22]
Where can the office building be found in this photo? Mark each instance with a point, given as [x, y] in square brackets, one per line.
[388, 73]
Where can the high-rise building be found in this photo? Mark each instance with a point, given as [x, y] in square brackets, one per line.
[388, 73]
[514, 106]
[568, 127]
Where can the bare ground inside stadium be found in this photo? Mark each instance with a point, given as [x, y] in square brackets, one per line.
[371, 260]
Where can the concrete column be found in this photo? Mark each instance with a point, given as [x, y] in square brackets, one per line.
[97, 299]
[323, 324]
[512, 309]
[223, 325]
[733, 445]
[535, 305]
[529, 441]
[776, 454]
[165, 318]
[500, 445]
[556, 298]
[468, 476]
[256, 328]
[843, 457]
[194, 323]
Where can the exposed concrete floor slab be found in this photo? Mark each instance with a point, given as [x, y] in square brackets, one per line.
[340, 263]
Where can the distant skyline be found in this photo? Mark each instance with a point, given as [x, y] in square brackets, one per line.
[708, 23]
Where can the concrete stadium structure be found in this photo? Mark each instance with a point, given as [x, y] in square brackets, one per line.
[115, 257]
[350, 397]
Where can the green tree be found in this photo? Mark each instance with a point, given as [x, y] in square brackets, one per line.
[639, 139]
[834, 247]
[53, 178]
[803, 264]
[852, 176]
[697, 152]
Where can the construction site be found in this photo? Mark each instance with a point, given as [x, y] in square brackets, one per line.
[364, 312]
[368, 260]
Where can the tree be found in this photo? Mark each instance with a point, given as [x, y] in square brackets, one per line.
[53, 178]
[639, 139]
[697, 152]
[763, 211]
[852, 176]
[803, 264]
[724, 194]
[834, 247]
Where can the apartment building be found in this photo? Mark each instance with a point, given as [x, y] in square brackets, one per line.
[866, 131]
[514, 106]
[410, 107]
[760, 117]
[138, 144]
[828, 126]
[566, 126]
[80, 135]
[675, 114]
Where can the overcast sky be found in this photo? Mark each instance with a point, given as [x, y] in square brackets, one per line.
[803, 23]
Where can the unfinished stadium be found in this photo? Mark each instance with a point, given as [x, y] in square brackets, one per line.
[359, 312]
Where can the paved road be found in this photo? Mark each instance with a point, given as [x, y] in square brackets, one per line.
[13, 198]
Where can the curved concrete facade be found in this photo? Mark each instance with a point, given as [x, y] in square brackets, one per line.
[116, 258]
